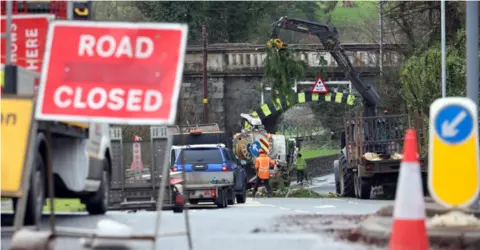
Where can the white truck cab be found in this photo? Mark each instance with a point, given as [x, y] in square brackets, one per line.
[81, 159]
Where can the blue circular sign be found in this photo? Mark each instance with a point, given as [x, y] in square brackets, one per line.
[254, 147]
[453, 124]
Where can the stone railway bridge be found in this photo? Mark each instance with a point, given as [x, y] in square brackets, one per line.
[235, 72]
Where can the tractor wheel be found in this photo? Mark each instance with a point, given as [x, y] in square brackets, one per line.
[347, 178]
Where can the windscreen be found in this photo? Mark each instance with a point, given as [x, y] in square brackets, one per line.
[200, 155]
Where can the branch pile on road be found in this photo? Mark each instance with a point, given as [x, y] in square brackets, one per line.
[287, 192]
[446, 229]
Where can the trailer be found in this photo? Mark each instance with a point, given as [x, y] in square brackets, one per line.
[136, 173]
[372, 154]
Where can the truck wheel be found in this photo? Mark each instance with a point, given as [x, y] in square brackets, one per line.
[36, 193]
[98, 203]
[336, 173]
[389, 191]
[231, 197]
[242, 198]
[355, 186]
[346, 178]
[364, 188]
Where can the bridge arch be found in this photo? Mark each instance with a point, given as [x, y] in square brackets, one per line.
[269, 112]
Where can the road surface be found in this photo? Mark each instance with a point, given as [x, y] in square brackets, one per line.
[260, 223]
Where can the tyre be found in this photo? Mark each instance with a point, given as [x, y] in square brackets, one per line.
[364, 188]
[98, 203]
[36, 193]
[355, 186]
[389, 191]
[178, 209]
[231, 197]
[193, 202]
[336, 172]
[221, 201]
[347, 178]
[242, 198]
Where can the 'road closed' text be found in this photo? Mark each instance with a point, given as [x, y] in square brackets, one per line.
[115, 99]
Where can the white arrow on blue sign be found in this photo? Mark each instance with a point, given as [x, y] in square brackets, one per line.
[254, 147]
[454, 124]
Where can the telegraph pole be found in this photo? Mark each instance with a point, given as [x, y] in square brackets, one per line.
[444, 48]
[380, 24]
[472, 58]
[205, 82]
[472, 50]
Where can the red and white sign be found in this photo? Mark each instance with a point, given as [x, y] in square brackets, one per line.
[320, 87]
[29, 34]
[124, 73]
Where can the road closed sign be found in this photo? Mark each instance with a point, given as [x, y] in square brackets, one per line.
[453, 175]
[123, 73]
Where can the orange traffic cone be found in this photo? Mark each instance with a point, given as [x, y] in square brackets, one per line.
[409, 231]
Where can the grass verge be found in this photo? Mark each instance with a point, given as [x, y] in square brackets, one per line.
[308, 153]
[60, 205]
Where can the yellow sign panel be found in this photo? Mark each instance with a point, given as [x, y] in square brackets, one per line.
[16, 120]
[454, 175]
[2, 78]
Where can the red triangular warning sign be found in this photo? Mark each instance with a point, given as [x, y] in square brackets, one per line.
[320, 87]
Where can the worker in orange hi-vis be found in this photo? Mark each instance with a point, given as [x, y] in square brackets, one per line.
[262, 167]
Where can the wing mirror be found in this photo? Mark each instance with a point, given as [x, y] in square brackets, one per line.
[243, 162]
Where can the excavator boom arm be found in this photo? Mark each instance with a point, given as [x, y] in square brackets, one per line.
[328, 36]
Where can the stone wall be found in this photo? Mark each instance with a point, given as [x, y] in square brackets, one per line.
[228, 96]
[321, 166]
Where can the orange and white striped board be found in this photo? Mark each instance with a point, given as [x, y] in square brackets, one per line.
[265, 145]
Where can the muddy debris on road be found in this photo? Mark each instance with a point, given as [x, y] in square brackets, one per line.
[342, 227]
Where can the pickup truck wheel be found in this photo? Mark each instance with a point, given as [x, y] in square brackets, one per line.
[231, 197]
[346, 178]
[36, 193]
[225, 198]
[219, 199]
[98, 203]
[242, 198]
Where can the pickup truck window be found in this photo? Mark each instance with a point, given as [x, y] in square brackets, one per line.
[200, 155]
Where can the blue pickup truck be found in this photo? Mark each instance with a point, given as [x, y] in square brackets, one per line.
[213, 174]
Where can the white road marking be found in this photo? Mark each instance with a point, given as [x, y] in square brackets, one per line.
[325, 206]
[300, 211]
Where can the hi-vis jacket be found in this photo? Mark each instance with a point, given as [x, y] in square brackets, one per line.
[262, 165]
